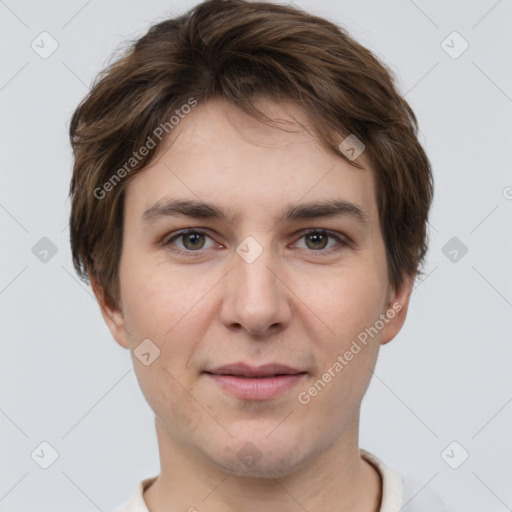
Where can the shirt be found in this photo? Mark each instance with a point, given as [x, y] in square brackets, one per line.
[397, 495]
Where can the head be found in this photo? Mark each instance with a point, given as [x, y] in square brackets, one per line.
[235, 122]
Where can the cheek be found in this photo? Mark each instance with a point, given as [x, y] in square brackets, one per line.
[166, 307]
[348, 307]
[155, 298]
[353, 311]
[162, 309]
[347, 304]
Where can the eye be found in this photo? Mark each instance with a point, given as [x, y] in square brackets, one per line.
[191, 240]
[318, 240]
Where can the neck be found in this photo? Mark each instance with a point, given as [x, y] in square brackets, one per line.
[337, 479]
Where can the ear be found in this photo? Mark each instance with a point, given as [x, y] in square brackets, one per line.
[396, 310]
[112, 313]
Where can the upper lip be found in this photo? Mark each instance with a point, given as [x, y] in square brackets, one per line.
[245, 370]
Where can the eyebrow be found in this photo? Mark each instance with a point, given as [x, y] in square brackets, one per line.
[202, 210]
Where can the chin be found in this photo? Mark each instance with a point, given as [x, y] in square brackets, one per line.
[267, 467]
[262, 458]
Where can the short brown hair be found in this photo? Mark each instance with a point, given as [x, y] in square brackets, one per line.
[240, 51]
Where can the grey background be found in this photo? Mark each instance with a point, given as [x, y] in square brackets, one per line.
[445, 378]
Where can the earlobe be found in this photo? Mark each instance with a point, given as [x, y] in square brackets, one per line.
[111, 313]
[396, 310]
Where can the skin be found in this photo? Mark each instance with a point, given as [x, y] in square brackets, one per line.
[301, 303]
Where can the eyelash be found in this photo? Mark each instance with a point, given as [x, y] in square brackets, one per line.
[343, 242]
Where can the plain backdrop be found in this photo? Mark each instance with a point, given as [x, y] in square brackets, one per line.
[442, 389]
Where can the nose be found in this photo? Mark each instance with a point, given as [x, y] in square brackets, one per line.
[256, 298]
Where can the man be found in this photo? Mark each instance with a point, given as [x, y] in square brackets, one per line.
[249, 203]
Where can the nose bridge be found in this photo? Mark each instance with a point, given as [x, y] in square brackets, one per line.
[253, 269]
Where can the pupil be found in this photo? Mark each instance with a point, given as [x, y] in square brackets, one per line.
[194, 237]
[315, 238]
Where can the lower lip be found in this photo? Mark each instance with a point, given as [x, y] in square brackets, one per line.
[252, 388]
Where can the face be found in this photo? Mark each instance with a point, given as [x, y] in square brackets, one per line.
[278, 279]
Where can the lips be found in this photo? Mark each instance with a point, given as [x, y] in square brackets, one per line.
[245, 370]
[247, 382]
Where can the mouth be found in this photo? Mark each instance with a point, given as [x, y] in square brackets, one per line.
[256, 382]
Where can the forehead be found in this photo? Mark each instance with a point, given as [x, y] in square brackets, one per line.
[219, 154]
